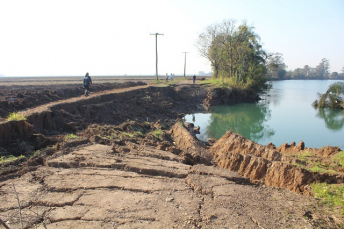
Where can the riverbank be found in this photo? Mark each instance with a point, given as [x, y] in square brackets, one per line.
[119, 158]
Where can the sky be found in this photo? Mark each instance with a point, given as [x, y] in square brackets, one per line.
[112, 37]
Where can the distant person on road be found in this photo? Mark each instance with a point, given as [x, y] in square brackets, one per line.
[171, 77]
[87, 83]
[194, 79]
[166, 77]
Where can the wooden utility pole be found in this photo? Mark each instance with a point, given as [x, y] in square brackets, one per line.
[185, 64]
[156, 51]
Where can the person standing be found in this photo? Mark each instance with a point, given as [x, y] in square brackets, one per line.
[166, 77]
[194, 79]
[87, 83]
[171, 77]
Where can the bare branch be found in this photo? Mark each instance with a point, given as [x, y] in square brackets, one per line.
[4, 224]
[21, 220]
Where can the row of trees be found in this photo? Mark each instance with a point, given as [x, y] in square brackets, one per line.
[277, 70]
[235, 53]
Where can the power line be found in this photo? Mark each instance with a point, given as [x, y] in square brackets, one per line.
[156, 51]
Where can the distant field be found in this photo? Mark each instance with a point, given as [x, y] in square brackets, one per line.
[63, 80]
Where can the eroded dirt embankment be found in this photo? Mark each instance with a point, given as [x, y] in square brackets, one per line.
[265, 164]
[135, 163]
[14, 98]
[145, 182]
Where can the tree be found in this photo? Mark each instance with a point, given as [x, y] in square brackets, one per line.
[334, 75]
[297, 74]
[307, 71]
[323, 69]
[234, 53]
[333, 96]
[209, 39]
[276, 66]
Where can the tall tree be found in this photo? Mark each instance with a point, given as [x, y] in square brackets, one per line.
[323, 69]
[234, 52]
[276, 66]
[209, 38]
[297, 74]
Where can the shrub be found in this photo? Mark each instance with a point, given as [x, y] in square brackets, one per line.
[157, 133]
[70, 137]
[15, 117]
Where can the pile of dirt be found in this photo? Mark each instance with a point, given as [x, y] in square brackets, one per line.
[16, 98]
[264, 164]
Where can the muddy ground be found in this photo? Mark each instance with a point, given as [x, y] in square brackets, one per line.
[124, 158]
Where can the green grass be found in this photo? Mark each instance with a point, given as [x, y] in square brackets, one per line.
[227, 82]
[71, 137]
[321, 168]
[331, 195]
[157, 133]
[339, 159]
[299, 165]
[10, 158]
[15, 117]
[132, 135]
[303, 156]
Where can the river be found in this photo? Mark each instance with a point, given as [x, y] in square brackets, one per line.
[285, 115]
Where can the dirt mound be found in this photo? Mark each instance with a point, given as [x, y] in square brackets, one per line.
[263, 164]
[16, 98]
[218, 96]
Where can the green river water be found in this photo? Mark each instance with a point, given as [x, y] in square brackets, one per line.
[285, 115]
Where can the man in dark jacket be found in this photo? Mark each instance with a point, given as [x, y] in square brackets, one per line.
[87, 83]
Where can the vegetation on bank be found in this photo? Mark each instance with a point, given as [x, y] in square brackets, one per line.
[277, 70]
[15, 117]
[238, 59]
[333, 98]
[235, 54]
[71, 137]
[329, 195]
[311, 162]
[10, 158]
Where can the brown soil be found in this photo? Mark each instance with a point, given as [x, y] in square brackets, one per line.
[136, 164]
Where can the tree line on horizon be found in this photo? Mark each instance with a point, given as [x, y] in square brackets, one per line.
[238, 58]
[277, 70]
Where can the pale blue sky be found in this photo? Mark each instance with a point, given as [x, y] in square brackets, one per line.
[107, 37]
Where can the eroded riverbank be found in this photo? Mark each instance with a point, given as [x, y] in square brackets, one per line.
[135, 163]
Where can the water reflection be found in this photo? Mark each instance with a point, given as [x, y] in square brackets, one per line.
[245, 119]
[334, 118]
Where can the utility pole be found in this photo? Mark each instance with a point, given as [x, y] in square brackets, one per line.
[185, 63]
[156, 51]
